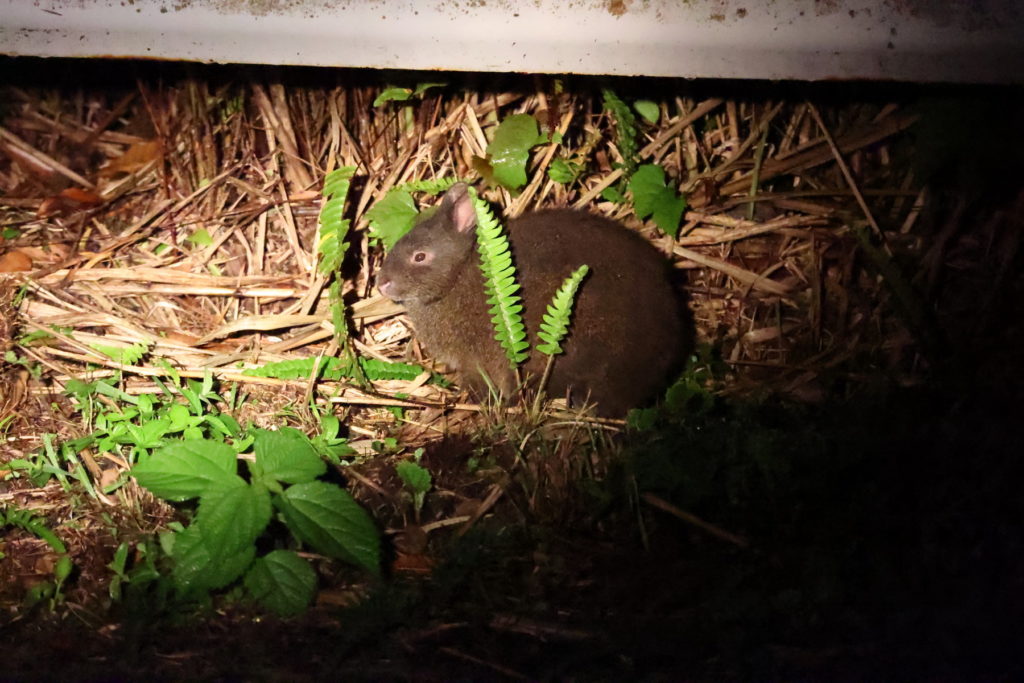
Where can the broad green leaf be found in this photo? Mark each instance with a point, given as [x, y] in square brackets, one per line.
[669, 212]
[652, 197]
[200, 238]
[186, 469]
[287, 455]
[647, 109]
[510, 149]
[613, 194]
[149, 434]
[198, 569]
[392, 217]
[327, 518]
[392, 95]
[179, 416]
[282, 582]
[415, 477]
[232, 517]
[647, 184]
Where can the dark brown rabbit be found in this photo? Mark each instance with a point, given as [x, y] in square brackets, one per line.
[625, 337]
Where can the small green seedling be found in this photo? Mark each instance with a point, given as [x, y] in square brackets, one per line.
[416, 478]
[62, 568]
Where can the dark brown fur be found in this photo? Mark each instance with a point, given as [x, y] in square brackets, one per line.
[626, 334]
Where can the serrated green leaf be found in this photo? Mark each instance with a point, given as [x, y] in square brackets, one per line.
[510, 149]
[647, 184]
[282, 582]
[198, 568]
[186, 469]
[562, 171]
[430, 186]
[625, 126]
[647, 109]
[126, 355]
[335, 368]
[392, 217]
[669, 212]
[287, 455]
[327, 518]
[392, 95]
[232, 517]
[652, 197]
[500, 286]
[415, 477]
[336, 183]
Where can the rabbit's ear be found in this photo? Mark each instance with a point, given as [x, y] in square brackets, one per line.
[459, 206]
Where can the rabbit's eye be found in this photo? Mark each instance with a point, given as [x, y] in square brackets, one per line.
[419, 257]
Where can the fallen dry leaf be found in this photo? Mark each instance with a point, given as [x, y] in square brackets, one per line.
[69, 200]
[15, 261]
[135, 157]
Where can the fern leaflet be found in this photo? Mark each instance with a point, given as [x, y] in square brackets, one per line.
[556, 320]
[333, 225]
[500, 283]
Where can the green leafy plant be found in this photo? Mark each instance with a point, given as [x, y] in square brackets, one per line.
[555, 324]
[125, 355]
[336, 369]
[329, 444]
[648, 110]
[396, 213]
[331, 250]
[613, 194]
[510, 149]
[332, 246]
[129, 426]
[626, 130]
[219, 547]
[500, 283]
[653, 197]
[416, 478]
[47, 590]
[200, 238]
[563, 171]
[404, 95]
[334, 226]
[396, 94]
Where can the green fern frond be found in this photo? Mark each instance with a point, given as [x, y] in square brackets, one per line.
[500, 283]
[337, 303]
[625, 124]
[556, 320]
[335, 369]
[435, 186]
[125, 355]
[333, 225]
